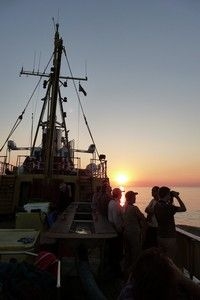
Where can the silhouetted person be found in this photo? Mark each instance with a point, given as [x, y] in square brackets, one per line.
[151, 234]
[134, 230]
[164, 212]
[115, 245]
[156, 277]
[101, 199]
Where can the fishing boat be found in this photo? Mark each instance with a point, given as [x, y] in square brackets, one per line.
[30, 187]
[52, 170]
[36, 177]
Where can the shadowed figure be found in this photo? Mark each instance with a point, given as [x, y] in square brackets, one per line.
[156, 277]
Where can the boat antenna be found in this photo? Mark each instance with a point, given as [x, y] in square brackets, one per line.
[85, 68]
[54, 24]
[79, 100]
[31, 131]
[34, 61]
[39, 61]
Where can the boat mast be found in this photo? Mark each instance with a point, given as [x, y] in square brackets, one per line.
[51, 99]
[51, 123]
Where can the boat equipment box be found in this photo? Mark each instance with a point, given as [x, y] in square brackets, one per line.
[18, 243]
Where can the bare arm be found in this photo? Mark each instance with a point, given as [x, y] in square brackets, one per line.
[182, 207]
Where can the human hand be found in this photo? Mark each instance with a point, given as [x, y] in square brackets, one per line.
[174, 194]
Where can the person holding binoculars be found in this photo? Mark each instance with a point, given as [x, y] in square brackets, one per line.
[165, 210]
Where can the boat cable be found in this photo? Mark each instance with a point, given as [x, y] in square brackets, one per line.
[79, 100]
[19, 119]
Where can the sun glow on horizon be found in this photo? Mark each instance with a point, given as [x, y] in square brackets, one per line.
[121, 178]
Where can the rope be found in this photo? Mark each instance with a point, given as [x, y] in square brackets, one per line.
[79, 100]
[19, 119]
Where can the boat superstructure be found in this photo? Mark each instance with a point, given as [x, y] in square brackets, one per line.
[37, 176]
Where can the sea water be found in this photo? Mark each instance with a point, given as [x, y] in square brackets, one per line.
[189, 195]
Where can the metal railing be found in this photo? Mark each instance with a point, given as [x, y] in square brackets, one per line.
[188, 252]
[5, 168]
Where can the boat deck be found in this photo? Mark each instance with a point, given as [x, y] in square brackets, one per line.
[75, 287]
[72, 285]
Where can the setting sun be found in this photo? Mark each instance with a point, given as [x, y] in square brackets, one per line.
[121, 178]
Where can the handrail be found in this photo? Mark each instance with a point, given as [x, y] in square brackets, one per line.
[188, 252]
[5, 168]
[190, 235]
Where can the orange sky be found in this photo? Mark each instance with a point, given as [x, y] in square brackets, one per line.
[150, 178]
[143, 90]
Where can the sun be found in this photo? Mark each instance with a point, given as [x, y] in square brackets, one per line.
[121, 178]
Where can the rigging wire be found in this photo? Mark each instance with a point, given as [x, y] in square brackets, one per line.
[79, 100]
[19, 119]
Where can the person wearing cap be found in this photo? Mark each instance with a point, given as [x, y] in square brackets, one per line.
[134, 230]
[164, 212]
[115, 245]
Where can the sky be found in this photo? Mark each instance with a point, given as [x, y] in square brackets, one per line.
[142, 59]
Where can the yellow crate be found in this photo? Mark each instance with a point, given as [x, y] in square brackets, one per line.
[27, 220]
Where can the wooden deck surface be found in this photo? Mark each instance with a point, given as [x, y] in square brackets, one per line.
[97, 227]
